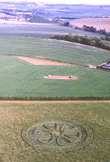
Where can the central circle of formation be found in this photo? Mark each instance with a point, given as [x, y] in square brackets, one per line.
[57, 134]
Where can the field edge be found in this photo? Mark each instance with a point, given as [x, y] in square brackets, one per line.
[54, 102]
[54, 98]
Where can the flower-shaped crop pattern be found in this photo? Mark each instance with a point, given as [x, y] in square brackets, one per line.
[57, 134]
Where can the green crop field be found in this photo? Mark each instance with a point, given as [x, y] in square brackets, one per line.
[19, 78]
[52, 49]
[70, 132]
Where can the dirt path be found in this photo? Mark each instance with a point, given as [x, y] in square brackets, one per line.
[36, 61]
[54, 102]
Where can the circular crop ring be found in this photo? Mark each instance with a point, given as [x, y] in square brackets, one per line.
[51, 135]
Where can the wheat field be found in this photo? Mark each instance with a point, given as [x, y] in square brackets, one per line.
[88, 123]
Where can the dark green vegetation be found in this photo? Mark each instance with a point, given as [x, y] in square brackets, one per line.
[85, 40]
[19, 78]
[106, 35]
[55, 98]
[14, 117]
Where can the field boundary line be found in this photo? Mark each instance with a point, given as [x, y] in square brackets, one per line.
[54, 102]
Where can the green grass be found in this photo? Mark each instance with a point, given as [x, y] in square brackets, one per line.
[14, 117]
[53, 49]
[19, 78]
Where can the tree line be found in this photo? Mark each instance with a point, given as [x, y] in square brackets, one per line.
[91, 41]
[92, 29]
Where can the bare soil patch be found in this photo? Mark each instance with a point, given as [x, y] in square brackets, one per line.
[98, 23]
[36, 61]
[61, 77]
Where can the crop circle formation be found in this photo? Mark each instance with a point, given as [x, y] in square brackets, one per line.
[57, 134]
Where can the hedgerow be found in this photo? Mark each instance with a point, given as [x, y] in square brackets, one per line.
[97, 42]
[34, 98]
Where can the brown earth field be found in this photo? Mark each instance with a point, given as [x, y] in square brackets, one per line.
[98, 23]
[35, 61]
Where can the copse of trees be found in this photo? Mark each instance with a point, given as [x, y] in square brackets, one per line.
[97, 42]
[88, 28]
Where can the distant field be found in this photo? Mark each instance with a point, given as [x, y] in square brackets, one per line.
[98, 23]
[81, 132]
[2, 15]
[38, 29]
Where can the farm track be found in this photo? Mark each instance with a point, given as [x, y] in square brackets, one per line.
[54, 102]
